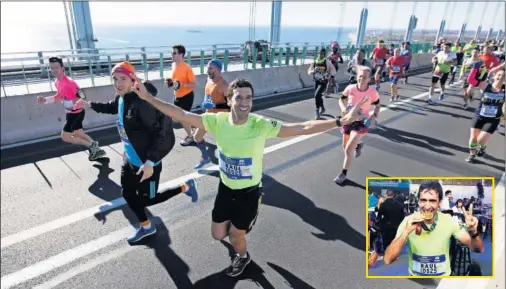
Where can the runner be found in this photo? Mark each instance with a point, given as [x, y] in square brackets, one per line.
[396, 69]
[467, 66]
[215, 100]
[335, 58]
[354, 132]
[408, 56]
[184, 82]
[489, 62]
[428, 234]
[68, 92]
[379, 55]
[444, 60]
[147, 137]
[358, 60]
[488, 115]
[468, 48]
[240, 138]
[459, 52]
[321, 70]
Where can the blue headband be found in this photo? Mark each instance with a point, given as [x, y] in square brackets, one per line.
[217, 63]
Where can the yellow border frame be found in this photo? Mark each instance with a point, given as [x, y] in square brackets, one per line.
[425, 178]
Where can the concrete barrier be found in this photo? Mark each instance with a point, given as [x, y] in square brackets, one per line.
[23, 119]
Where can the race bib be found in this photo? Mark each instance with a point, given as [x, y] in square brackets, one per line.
[396, 69]
[429, 265]
[122, 133]
[378, 61]
[320, 74]
[236, 168]
[208, 102]
[68, 104]
[488, 111]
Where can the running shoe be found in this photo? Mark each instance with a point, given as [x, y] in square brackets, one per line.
[358, 150]
[378, 87]
[480, 152]
[317, 117]
[238, 265]
[397, 97]
[96, 153]
[471, 158]
[340, 179]
[322, 111]
[142, 233]
[430, 101]
[441, 96]
[192, 190]
[187, 141]
[202, 163]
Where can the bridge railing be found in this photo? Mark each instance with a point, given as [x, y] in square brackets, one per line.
[20, 71]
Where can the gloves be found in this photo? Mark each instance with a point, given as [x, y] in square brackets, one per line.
[177, 85]
[169, 82]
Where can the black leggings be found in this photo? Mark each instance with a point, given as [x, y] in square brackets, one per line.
[319, 88]
[138, 195]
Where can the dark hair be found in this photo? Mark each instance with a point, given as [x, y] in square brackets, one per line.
[460, 201]
[447, 192]
[390, 193]
[56, 60]
[431, 186]
[180, 49]
[240, 82]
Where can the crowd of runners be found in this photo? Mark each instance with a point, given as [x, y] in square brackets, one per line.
[145, 126]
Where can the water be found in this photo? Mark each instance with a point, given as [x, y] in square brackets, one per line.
[55, 36]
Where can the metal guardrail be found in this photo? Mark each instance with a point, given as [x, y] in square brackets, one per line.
[26, 69]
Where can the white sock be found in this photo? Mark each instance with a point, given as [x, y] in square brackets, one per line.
[430, 96]
[186, 187]
[245, 255]
[148, 226]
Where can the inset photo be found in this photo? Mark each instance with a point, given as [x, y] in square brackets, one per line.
[429, 227]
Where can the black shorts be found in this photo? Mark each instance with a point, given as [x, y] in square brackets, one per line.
[442, 78]
[240, 207]
[486, 124]
[130, 181]
[357, 126]
[185, 102]
[74, 121]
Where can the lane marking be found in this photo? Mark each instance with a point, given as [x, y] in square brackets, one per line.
[498, 243]
[83, 250]
[87, 213]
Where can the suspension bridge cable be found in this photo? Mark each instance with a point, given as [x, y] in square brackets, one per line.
[341, 19]
[392, 20]
[426, 21]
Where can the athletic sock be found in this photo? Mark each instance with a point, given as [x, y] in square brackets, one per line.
[146, 224]
[344, 172]
[245, 255]
[473, 147]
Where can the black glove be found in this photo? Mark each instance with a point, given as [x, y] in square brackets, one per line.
[177, 85]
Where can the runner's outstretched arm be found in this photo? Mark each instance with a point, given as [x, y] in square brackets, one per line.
[316, 126]
[168, 109]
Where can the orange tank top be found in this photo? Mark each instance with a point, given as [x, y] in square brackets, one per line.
[213, 89]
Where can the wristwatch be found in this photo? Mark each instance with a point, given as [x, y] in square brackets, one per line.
[475, 235]
[338, 121]
[149, 163]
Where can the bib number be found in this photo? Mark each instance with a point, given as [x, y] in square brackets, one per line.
[122, 133]
[236, 168]
[437, 73]
[429, 265]
[396, 69]
[208, 102]
[488, 111]
[320, 74]
[378, 61]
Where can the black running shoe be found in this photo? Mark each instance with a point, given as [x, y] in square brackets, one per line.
[480, 152]
[238, 265]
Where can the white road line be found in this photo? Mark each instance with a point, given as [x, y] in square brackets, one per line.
[87, 213]
[83, 250]
[498, 243]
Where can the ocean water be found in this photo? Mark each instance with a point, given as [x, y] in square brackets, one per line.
[55, 37]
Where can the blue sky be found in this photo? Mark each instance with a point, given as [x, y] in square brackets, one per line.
[24, 15]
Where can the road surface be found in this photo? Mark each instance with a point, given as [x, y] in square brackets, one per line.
[57, 233]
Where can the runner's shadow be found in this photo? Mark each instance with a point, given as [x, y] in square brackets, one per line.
[426, 282]
[292, 280]
[417, 140]
[221, 280]
[380, 174]
[333, 226]
[175, 266]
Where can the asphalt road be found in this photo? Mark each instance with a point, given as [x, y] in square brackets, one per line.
[310, 232]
